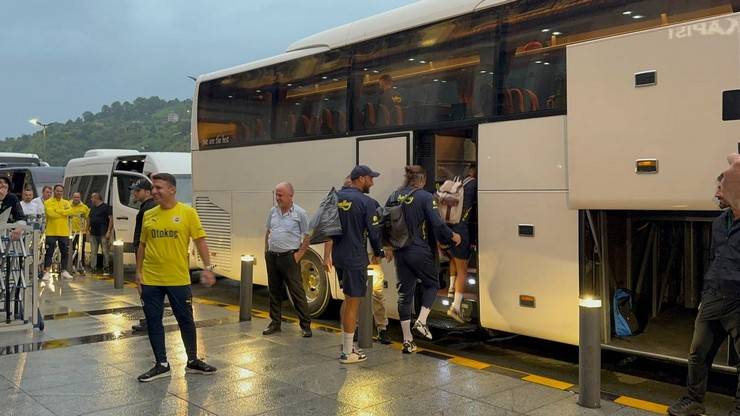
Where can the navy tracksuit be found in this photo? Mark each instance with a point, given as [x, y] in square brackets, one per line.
[360, 223]
[418, 261]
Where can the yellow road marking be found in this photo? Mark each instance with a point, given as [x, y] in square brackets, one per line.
[642, 404]
[467, 362]
[549, 382]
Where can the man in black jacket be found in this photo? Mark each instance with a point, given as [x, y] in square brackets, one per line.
[142, 191]
[719, 310]
[11, 202]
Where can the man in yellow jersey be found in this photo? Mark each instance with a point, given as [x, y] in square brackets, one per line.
[78, 224]
[57, 211]
[162, 269]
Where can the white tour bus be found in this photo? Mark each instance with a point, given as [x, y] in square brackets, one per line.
[598, 129]
[110, 172]
[11, 160]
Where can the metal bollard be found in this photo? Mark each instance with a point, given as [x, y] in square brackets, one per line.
[118, 264]
[365, 331]
[70, 255]
[589, 353]
[245, 289]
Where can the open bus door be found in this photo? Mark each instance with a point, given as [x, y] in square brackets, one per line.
[447, 154]
[388, 155]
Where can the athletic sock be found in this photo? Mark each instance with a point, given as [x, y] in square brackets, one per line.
[347, 342]
[406, 328]
[423, 315]
[458, 301]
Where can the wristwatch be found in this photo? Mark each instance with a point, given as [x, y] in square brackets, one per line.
[210, 268]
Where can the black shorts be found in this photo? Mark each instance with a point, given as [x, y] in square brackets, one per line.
[353, 282]
[462, 251]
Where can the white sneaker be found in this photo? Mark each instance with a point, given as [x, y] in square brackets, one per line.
[65, 275]
[409, 347]
[47, 277]
[352, 358]
[422, 330]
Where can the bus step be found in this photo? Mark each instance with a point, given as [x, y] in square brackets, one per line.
[447, 324]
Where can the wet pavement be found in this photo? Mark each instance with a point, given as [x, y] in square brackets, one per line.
[86, 362]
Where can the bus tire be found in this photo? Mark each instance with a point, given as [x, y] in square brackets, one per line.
[315, 283]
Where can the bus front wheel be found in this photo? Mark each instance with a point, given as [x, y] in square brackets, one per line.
[315, 283]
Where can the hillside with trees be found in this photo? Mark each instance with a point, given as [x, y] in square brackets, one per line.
[147, 124]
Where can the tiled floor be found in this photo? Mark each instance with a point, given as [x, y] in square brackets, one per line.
[283, 374]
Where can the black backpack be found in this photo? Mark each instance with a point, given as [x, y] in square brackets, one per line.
[395, 230]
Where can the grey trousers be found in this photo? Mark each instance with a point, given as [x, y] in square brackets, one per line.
[95, 242]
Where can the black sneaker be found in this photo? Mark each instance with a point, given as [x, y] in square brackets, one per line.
[197, 366]
[383, 337]
[271, 329]
[158, 371]
[140, 327]
[422, 330]
[686, 407]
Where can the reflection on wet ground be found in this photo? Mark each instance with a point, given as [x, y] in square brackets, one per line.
[87, 360]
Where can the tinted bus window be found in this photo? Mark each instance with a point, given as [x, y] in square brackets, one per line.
[533, 36]
[235, 110]
[438, 73]
[312, 95]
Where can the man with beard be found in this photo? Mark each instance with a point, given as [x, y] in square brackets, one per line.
[349, 252]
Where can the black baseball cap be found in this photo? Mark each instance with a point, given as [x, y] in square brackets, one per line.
[362, 170]
[141, 184]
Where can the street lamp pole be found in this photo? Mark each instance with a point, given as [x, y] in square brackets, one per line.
[37, 122]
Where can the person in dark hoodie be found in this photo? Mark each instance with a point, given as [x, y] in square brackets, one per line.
[417, 261]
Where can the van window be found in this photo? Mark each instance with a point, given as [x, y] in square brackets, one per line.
[71, 185]
[83, 187]
[100, 185]
[184, 188]
[125, 196]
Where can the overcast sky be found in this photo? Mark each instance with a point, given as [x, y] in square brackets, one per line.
[59, 59]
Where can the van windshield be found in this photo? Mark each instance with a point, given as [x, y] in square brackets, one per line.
[184, 188]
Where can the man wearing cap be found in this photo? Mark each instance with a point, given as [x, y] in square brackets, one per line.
[100, 229]
[142, 192]
[349, 252]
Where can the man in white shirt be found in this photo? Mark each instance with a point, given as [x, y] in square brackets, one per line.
[31, 206]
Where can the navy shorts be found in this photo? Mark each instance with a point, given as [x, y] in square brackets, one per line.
[462, 251]
[353, 282]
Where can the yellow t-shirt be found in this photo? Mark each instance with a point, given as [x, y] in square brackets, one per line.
[78, 213]
[57, 217]
[166, 234]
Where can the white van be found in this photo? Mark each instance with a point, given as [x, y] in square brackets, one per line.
[110, 172]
